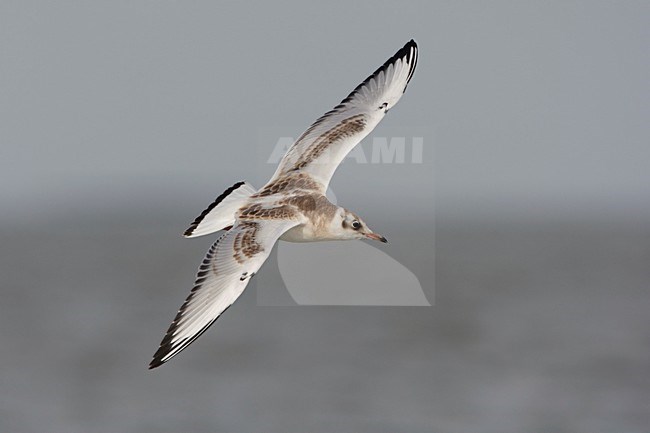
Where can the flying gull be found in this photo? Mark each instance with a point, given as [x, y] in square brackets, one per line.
[292, 206]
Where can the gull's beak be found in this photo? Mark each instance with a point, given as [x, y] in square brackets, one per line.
[376, 237]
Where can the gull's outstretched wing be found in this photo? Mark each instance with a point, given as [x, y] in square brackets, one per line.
[222, 277]
[321, 148]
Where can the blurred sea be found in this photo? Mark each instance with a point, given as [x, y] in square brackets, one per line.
[535, 328]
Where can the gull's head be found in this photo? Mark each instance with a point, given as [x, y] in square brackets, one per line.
[350, 226]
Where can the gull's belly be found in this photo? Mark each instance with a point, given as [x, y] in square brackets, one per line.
[302, 233]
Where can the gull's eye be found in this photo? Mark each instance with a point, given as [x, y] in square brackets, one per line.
[356, 225]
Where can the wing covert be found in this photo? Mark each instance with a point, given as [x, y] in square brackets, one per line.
[321, 148]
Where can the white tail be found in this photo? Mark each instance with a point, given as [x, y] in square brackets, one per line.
[221, 213]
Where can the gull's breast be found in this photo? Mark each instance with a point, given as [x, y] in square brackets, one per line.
[306, 232]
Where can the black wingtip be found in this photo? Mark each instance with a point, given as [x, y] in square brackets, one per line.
[410, 47]
[157, 359]
[409, 50]
[405, 51]
[411, 44]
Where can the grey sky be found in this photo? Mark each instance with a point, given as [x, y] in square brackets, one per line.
[116, 103]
